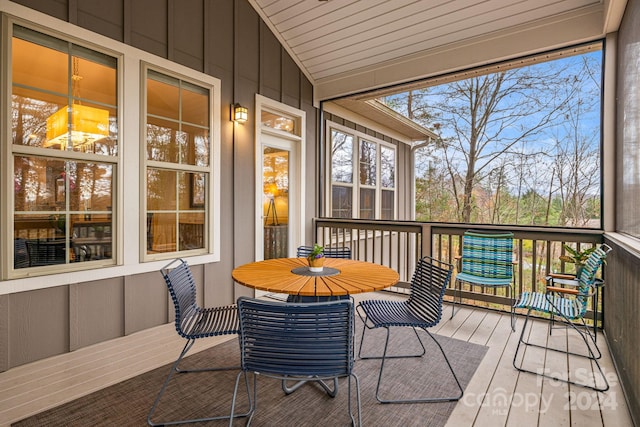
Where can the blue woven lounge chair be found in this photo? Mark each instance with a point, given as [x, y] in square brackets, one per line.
[487, 260]
[297, 341]
[422, 310]
[193, 322]
[570, 305]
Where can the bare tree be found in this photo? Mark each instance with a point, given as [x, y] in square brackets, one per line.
[494, 135]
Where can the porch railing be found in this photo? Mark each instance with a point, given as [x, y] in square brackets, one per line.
[398, 244]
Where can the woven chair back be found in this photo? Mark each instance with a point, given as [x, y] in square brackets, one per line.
[182, 289]
[301, 339]
[488, 254]
[430, 280]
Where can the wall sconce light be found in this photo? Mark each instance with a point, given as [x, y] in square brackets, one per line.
[239, 113]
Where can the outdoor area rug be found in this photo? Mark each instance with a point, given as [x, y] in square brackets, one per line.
[199, 395]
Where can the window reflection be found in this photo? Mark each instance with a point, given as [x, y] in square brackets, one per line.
[62, 211]
[279, 122]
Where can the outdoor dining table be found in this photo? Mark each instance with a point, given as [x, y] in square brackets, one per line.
[292, 276]
[339, 278]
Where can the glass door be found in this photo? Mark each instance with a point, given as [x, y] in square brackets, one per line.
[276, 159]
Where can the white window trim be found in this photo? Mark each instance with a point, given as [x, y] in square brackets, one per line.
[356, 185]
[128, 261]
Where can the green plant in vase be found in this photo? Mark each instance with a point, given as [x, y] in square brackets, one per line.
[577, 257]
[316, 258]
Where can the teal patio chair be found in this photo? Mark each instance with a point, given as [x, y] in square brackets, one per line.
[487, 260]
[569, 306]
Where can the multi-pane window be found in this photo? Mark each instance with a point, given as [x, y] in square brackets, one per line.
[372, 194]
[178, 162]
[64, 152]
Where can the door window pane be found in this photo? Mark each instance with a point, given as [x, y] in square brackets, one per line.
[367, 163]
[275, 179]
[388, 204]
[387, 167]
[341, 202]
[341, 157]
[367, 203]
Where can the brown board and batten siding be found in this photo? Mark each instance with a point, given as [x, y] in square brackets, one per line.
[222, 38]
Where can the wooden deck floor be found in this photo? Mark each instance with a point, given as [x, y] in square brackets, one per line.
[498, 395]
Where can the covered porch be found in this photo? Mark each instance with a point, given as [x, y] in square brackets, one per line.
[76, 329]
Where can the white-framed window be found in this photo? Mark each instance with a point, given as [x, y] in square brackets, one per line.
[362, 174]
[178, 164]
[63, 154]
[74, 166]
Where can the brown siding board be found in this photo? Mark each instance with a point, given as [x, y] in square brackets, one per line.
[102, 17]
[219, 44]
[96, 312]
[188, 28]
[56, 8]
[39, 323]
[248, 45]
[244, 177]
[145, 297]
[270, 64]
[290, 81]
[149, 31]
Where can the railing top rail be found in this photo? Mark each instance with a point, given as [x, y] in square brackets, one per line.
[584, 235]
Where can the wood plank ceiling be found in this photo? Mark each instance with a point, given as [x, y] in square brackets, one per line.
[336, 40]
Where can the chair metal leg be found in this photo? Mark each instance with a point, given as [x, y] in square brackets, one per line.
[591, 356]
[353, 421]
[403, 356]
[174, 369]
[455, 292]
[419, 400]
[330, 392]
[253, 403]
[513, 308]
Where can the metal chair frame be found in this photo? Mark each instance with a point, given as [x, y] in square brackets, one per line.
[423, 309]
[569, 304]
[297, 341]
[487, 260]
[192, 323]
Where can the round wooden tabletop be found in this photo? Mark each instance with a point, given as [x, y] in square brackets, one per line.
[352, 277]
